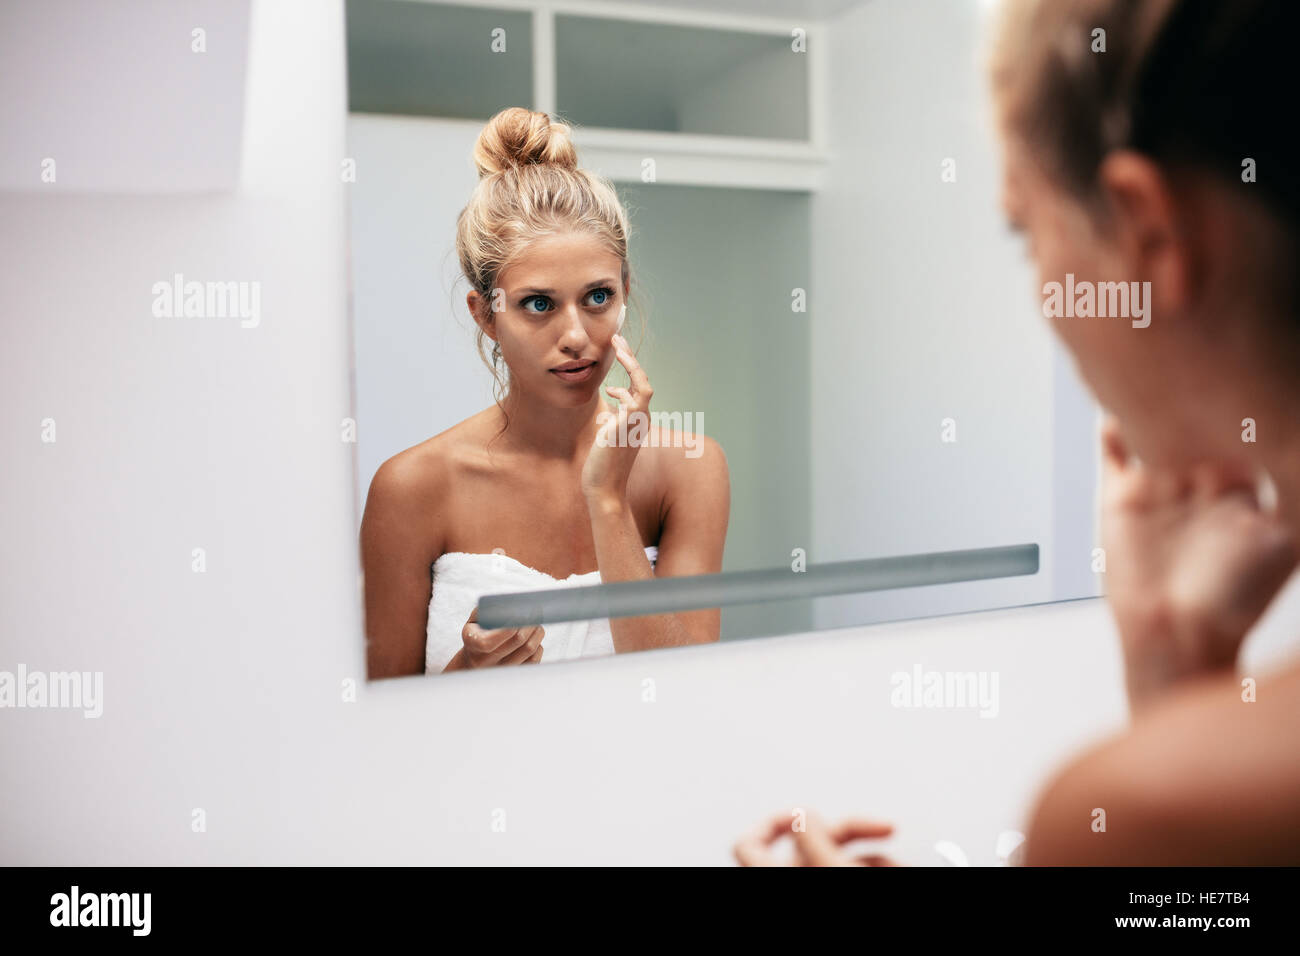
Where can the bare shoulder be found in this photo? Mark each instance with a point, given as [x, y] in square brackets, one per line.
[418, 479]
[415, 474]
[685, 459]
[1210, 775]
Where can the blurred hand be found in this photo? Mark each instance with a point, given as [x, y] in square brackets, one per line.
[815, 844]
[1191, 563]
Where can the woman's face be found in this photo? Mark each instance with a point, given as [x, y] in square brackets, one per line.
[1137, 365]
[558, 303]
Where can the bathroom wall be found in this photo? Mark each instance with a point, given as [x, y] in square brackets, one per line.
[228, 691]
[924, 311]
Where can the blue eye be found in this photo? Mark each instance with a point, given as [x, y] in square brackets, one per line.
[606, 296]
[534, 298]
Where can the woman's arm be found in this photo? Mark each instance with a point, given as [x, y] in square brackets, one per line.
[400, 540]
[695, 509]
[697, 502]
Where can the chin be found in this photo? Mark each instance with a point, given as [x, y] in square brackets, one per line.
[571, 396]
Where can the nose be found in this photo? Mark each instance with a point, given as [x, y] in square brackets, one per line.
[574, 337]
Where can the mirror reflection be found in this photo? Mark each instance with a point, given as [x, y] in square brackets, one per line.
[638, 300]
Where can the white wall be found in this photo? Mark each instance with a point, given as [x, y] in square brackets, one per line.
[417, 371]
[222, 689]
[923, 310]
[183, 136]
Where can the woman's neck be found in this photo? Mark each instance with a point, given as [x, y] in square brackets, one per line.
[534, 428]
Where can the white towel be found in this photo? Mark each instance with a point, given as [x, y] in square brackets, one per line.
[460, 578]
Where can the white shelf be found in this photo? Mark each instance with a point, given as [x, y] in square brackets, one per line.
[692, 159]
[737, 84]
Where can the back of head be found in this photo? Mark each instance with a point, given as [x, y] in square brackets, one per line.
[1196, 85]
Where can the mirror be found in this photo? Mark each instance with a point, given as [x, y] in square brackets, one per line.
[820, 282]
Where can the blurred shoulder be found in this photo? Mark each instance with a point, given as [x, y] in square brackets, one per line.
[1206, 776]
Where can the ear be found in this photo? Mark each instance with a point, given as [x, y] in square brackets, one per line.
[1149, 229]
[482, 315]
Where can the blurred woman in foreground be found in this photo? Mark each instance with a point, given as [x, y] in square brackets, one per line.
[1166, 160]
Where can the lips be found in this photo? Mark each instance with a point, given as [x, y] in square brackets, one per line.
[574, 371]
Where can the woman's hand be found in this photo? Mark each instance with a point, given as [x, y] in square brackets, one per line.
[815, 843]
[504, 645]
[609, 463]
[1192, 561]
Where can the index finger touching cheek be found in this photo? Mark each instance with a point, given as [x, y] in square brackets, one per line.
[640, 381]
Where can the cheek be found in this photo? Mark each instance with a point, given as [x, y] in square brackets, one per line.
[1056, 256]
[603, 337]
[524, 334]
[520, 343]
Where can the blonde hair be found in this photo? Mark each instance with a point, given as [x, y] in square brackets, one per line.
[530, 186]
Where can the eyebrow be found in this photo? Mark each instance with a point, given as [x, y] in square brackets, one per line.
[589, 285]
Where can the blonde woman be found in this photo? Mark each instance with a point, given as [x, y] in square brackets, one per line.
[541, 489]
[1166, 159]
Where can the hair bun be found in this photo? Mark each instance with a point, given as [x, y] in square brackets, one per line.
[519, 137]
